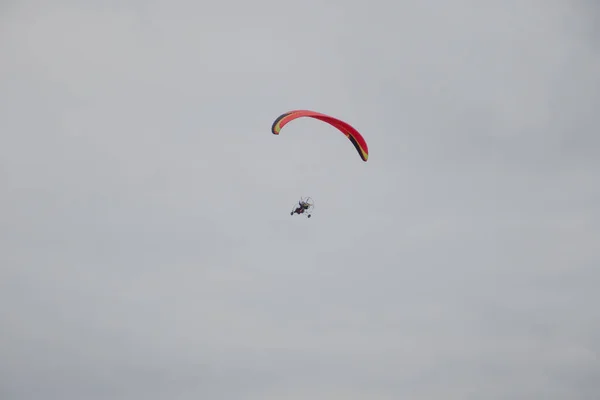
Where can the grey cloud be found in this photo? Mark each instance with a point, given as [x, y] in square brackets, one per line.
[146, 247]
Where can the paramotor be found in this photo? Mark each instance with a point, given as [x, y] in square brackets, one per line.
[304, 207]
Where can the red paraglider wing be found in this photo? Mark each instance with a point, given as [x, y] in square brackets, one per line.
[352, 134]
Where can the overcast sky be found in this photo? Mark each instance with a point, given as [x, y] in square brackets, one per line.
[146, 246]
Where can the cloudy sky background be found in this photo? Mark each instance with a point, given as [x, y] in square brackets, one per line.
[146, 246]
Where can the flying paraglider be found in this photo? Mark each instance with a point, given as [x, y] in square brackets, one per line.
[351, 133]
[305, 206]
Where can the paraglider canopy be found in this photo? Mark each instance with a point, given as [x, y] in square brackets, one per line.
[351, 133]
